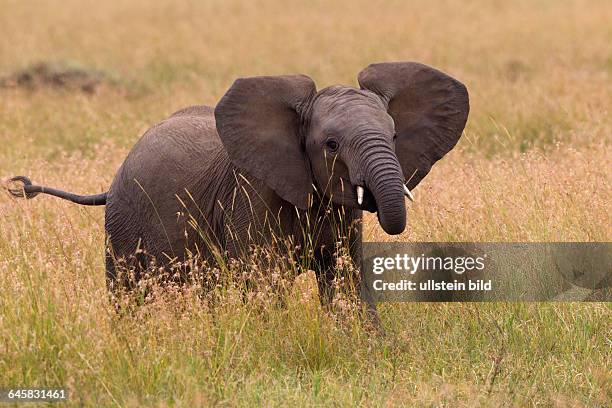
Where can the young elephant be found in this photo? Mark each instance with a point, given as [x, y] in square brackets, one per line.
[269, 155]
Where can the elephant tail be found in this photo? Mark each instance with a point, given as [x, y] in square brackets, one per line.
[22, 187]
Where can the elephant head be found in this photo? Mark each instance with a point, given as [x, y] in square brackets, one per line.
[362, 148]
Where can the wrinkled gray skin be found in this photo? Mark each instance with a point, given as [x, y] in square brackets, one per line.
[276, 149]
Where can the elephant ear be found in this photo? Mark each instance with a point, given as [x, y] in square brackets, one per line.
[429, 109]
[259, 121]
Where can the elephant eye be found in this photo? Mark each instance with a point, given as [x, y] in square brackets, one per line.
[332, 145]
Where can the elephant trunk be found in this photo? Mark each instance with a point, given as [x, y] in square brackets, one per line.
[384, 179]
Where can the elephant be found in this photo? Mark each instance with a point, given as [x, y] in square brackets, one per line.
[275, 148]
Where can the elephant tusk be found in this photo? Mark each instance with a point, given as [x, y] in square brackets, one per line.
[359, 195]
[408, 193]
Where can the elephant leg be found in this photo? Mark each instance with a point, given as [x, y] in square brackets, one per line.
[325, 283]
[370, 305]
[365, 294]
[326, 275]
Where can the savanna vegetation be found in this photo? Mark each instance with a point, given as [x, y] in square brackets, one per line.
[81, 80]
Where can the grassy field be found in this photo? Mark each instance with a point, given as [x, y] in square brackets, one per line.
[533, 165]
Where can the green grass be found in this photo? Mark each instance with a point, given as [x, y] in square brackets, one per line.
[533, 165]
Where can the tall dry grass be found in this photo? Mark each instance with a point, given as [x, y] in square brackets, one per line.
[532, 166]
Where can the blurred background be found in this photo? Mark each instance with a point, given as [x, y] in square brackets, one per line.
[535, 69]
